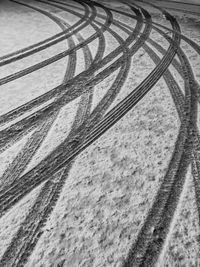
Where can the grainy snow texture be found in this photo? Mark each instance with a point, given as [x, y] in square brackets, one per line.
[99, 134]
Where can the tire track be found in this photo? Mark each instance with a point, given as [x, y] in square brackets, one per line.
[196, 147]
[79, 79]
[41, 99]
[69, 74]
[194, 45]
[155, 247]
[51, 186]
[31, 104]
[178, 99]
[27, 236]
[55, 58]
[19, 164]
[30, 50]
[101, 36]
[123, 71]
[194, 129]
[186, 141]
[110, 119]
[174, 88]
[128, 30]
[109, 97]
[146, 249]
[17, 130]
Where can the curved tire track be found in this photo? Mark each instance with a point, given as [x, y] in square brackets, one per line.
[31, 179]
[88, 127]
